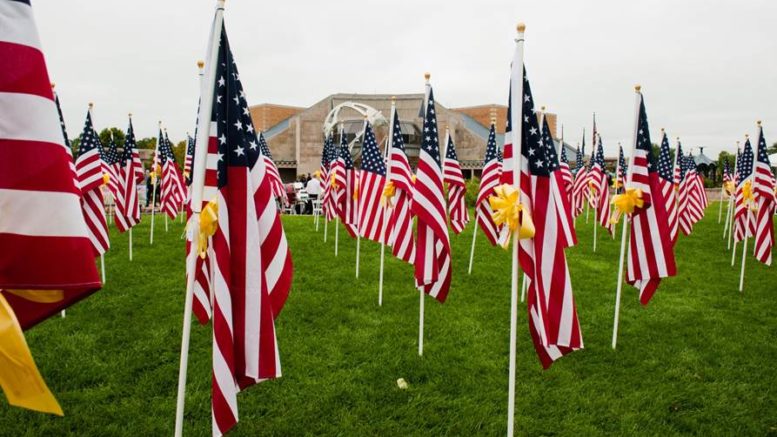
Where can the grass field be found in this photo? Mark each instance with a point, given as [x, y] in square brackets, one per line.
[700, 359]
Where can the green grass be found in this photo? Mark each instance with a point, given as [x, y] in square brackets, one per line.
[700, 359]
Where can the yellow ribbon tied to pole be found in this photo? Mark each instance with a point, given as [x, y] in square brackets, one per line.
[20, 379]
[388, 193]
[509, 212]
[616, 183]
[592, 188]
[317, 174]
[356, 194]
[106, 178]
[729, 187]
[209, 221]
[626, 203]
[333, 181]
[748, 197]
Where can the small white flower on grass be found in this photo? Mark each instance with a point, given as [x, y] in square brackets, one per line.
[402, 384]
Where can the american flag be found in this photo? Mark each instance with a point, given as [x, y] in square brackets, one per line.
[433, 249]
[564, 208]
[666, 180]
[552, 315]
[329, 202]
[400, 223]
[566, 173]
[61, 119]
[727, 177]
[89, 168]
[172, 182]
[37, 182]
[650, 255]
[764, 187]
[323, 169]
[579, 187]
[599, 188]
[621, 171]
[187, 163]
[346, 185]
[279, 192]
[251, 262]
[112, 167]
[127, 205]
[696, 196]
[372, 179]
[743, 215]
[457, 207]
[684, 199]
[698, 185]
[489, 180]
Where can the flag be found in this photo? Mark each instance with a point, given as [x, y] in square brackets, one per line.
[188, 160]
[744, 199]
[372, 179]
[89, 168]
[695, 191]
[128, 209]
[599, 189]
[61, 119]
[433, 249]
[251, 262]
[563, 207]
[172, 185]
[323, 169]
[489, 180]
[329, 201]
[345, 184]
[112, 168]
[685, 202]
[765, 194]
[400, 222]
[566, 173]
[457, 206]
[47, 262]
[666, 181]
[650, 254]
[621, 171]
[579, 186]
[727, 177]
[276, 184]
[698, 186]
[552, 315]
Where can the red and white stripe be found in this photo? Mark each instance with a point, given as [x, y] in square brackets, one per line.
[670, 196]
[764, 188]
[172, 189]
[42, 230]
[484, 214]
[90, 180]
[128, 206]
[371, 211]
[567, 178]
[400, 219]
[579, 191]
[458, 214]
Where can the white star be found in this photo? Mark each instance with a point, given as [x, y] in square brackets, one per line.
[253, 145]
[239, 151]
[250, 128]
[221, 156]
[531, 151]
[218, 99]
[223, 139]
[526, 98]
[246, 111]
[237, 100]
[222, 82]
[539, 163]
[533, 131]
[238, 125]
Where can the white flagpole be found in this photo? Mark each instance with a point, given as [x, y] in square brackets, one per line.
[472, 249]
[153, 177]
[524, 286]
[130, 244]
[198, 182]
[720, 206]
[427, 89]
[625, 218]
[748, 213]
[102, 266]
[516, 86]
[387, 154]
[326, 228]
[165, 222]
[337, 232]
[731, 196]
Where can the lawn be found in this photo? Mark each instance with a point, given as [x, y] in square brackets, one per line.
[699, 359]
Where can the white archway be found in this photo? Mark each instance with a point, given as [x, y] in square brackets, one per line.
[374, 116]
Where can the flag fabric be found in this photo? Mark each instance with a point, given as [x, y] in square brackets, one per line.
[696, 195]
[46, 247]
[764, 188]
[563, 206]
[552, 315]
[579, 186]
[599, 189]
[666, 181]
[112, 168]
[279, 192]
[458, 213]
[346, 185]
[89, 168]
[323, 169]
[188, 160]
[172, 192]
[566, 173]
[61, 119]
[372, 179]
[329, 202]
[400, 221]
[727, 177]
[743, 203]
[685, 201]
[128, 206]
[433, 249]
[621, 171]
[650, 254]
[251, 262]
[489, 180]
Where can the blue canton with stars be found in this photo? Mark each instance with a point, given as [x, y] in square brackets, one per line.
[762, 156]
[492, 152]
[665, 162]
[746, 163]
[129, 144]
[533, 148]
[372, 161]
[112, 153]
[450, 150]
[430, 142]
[643, 136]
[550, 146]
[397, 141]
[344, 152]
[88, 140]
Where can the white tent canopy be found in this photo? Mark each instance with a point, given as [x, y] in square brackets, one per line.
[773, 159]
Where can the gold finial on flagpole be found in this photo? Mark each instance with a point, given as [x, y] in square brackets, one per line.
[747, 136]
[53, 85]
[637, 87]
[521, 27]
[201, 64]
[393, 99]
[427, 76]
[91, 105]
[758, 123]
[130, 115]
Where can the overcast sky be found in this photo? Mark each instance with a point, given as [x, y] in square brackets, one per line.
[708, 68]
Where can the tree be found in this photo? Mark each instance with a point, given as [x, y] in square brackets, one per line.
[722, 158]
[118, 136]
[146, 143]
[179, 150]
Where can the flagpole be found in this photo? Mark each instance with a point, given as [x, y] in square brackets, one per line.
[387, 206]
[102, 266]
[326, 227]
[130, 242]
[516, 122]
[524, 287]
[625, 218]
[472, 249]
[427, 89]
[748, 213]
[337, 232]
[198, 182]
[731, 196]
[153, 177]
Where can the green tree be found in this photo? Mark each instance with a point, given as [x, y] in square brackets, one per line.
[722, 158]
[179, 150]
[146, 143]
[118, 136]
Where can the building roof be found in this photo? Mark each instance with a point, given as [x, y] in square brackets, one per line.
[702, 159]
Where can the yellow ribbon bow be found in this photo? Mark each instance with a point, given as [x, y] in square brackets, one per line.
[748, 197]
[209, 221]
[19, 376]
[592, 188]
[106, 178]
[186, 174]
[317, 174]
[626, 203]
[509, 212]
[356, 194]
[333, 181]
[616, 183]
[388, 193]
[729, 187]
[412, 179]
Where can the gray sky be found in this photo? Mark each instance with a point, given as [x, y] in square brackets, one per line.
[708, 68]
